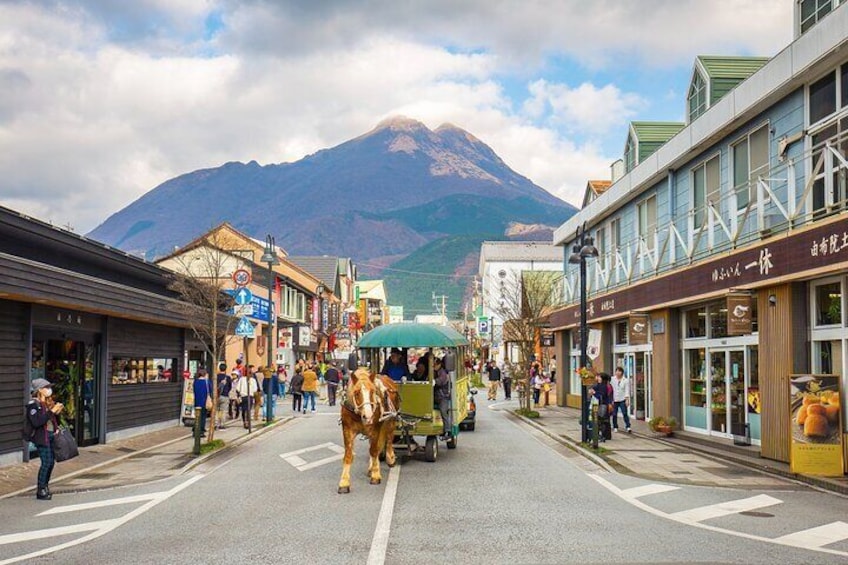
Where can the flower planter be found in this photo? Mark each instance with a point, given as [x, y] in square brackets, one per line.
[665, 430]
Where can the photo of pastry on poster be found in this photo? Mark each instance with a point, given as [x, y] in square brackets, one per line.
[815, 425]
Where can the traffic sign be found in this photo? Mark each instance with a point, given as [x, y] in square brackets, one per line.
[483, 325]
[243, 296]
[244, 328]
[242, 277]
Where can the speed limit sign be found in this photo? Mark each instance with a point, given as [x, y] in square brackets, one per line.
[241, 277]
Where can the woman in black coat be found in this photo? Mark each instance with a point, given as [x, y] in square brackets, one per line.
[603, 393]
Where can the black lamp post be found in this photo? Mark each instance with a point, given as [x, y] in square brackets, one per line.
[319, 292]
[583, 249]
[269, 257]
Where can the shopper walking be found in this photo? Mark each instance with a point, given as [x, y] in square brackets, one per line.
[258, 401]
[310, 387]
[202, 392]
[225, 385]
[494, 380]
[246, 388]
[297, 389]
[41, 425]
[621, 398]
[332, 376]
[282, 380]
[506, 379]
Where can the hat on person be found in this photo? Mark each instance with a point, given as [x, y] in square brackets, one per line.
[395, 350]
[39, 384]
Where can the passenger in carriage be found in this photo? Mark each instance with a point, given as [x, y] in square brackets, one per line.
[395, 366]
[420, 374]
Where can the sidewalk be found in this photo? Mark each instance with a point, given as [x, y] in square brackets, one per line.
[683, 458]
[148, 457]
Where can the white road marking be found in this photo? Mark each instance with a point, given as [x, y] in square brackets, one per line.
[651, 510]
[646, 490]
[102, 503]
[107, 525]
[726, 508]
[55, 532]
[293, 457]
[817, 537]
[380, 541]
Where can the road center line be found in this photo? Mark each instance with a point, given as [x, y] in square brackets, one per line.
[380, 541]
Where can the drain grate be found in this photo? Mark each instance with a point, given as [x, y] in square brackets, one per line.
[755, 514]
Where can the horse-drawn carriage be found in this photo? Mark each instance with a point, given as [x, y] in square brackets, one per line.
[394, 411]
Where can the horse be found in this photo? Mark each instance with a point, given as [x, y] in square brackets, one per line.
[369, 408]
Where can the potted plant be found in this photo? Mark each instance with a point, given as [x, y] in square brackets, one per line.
[663, 425]
[587, 375]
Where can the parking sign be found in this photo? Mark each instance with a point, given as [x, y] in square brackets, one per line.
[483, 325]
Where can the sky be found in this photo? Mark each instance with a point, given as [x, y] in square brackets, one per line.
[103, 100]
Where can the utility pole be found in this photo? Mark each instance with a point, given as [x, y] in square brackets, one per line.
[440, 308]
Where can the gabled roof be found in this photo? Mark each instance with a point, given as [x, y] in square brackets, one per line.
[595, 188]
[655, 132]
[372, 290]
[721, 66]
[323, 268]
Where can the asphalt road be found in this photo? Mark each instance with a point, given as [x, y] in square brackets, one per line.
[507, 495]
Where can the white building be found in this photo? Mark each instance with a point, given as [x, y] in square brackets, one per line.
[501, 264]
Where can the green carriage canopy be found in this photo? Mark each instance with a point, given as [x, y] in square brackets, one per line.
[411, 335]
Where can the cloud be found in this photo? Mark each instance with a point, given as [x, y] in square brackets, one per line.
[104, 100]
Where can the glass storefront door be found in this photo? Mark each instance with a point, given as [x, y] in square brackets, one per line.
[637, 367]
[727, 391]
[72, 366]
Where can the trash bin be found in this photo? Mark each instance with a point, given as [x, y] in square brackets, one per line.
[741, 433]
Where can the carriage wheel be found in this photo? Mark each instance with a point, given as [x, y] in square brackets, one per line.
[451, 443]
[431, 449]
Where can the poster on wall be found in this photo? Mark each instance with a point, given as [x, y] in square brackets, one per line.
[188, 398]
[637, 327]
[815, 425]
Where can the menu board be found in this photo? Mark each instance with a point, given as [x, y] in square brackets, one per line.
[815, 425]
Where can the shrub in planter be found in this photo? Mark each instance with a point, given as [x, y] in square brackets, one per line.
[662, 425]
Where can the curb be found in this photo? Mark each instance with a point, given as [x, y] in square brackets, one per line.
[96, 466]
[235, 443]
[568, 442]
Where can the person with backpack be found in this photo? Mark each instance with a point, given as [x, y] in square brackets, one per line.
[39, 427]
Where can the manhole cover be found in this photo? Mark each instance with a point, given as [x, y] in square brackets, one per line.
[755, 514]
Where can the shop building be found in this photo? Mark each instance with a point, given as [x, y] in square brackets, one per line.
[723, 248]
[99, 324]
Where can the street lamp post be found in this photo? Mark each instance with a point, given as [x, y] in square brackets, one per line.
[583, 249]
[269, 257]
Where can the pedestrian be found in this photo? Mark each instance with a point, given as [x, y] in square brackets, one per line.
[310, 387]
[553, 368]
[441, 396]
[506, 379]
[546, 387]
[297, 389]
[40, 426]
[202, 393]
[536, 380]
[282, 380]
[246, 388]
[270, 390]
[225, 385]
[494, 380]
[258, 401]
[621, 398]
[602, 394]
[234, 410]
[331, 375]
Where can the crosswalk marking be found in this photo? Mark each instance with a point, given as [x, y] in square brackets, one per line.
[102, 503]
[726, 508]
[293, 457]
[645, 490]
[817, 537]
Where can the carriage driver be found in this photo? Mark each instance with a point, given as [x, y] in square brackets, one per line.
[395, 367]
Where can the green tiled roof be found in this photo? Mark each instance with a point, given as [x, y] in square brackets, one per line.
[656, 132]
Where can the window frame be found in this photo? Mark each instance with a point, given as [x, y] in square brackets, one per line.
[631, 150]
[694, 225]
[731, 165]
[700, 90]
[649, 241]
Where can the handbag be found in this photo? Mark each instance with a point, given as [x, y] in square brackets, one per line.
[64, 445]
[208, 403]
[603, 411]
[546, 387]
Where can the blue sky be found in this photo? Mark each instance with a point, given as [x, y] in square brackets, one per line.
[104, 100]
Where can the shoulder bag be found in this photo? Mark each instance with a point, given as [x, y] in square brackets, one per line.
[64, 445]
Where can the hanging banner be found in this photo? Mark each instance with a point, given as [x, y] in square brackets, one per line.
[739, 314]
[547, 339]
[815, 425]
[593, 344]
[637, 329]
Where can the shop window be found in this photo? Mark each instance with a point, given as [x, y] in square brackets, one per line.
[828, 304]
[621, 332]
[697, 389]
[754, 400]
[718, 320]
[126, 370]
[696, 322]
[828, 357]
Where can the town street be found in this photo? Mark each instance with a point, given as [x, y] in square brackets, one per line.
[507, 494]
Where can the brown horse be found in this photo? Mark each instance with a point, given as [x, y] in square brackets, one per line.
[369, 408]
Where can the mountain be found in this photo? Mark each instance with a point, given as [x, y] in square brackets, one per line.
[377, 198]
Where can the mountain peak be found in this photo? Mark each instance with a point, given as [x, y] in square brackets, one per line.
[400, 123]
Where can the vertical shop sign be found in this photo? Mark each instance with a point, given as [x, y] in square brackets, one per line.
[815, 427]
[739, 314]
[637, 329]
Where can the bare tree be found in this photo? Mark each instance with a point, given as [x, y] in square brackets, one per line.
[524, 301]
[201, 276]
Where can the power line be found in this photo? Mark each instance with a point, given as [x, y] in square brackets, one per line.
[439, 275]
